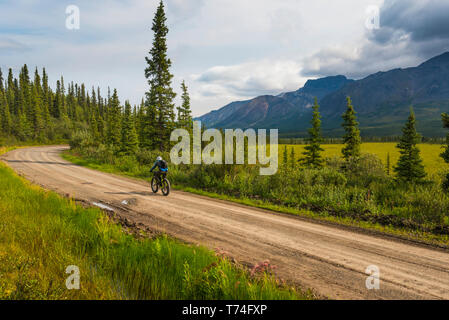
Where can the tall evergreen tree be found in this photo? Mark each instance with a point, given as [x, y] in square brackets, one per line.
[409, 167]
[140, 125]
[130, 142]
[285, 157]
[36, 118]
[11, 91]
[100, 103]
[184, 112]
[25, 88]
[19, 99]
[93, 126]
[312, 154]
[22, 129]
[5, 116]
[151, 138]
[445, 154]
[37, 83]
[114, 132]
[351, 138]
[57, 104]
[62, 106]
[2, 88]
[388, 164]
[159, 104]
[46, 90]
[292, 158]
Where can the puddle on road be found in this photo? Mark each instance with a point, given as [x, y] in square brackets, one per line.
[102, 206]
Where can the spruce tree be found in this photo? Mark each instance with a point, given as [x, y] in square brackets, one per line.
[71, 103]
[11, 92]
[114, 132]
[5, 116]
[46, 90]
[159, 104]
[285, 157]
[100, 103]
[445, 154]
[312, 154]
[36, 119]
[140, 124]
[37, 83]
[22, 129]
[25, 91]
[130, 142]
[19, 99]
[93, 126]
[292, 158]
[388, 164]
[62, 106]
[184, 112]
[151, 136]
[2, 88]
[351, 138]
[409, 167]
[38, 95]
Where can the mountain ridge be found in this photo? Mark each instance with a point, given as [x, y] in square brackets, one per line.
[382, 101]
[269, 110]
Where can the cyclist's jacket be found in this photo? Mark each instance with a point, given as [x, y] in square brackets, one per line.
[161, 164]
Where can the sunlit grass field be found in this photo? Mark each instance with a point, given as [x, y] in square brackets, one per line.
[430, 154]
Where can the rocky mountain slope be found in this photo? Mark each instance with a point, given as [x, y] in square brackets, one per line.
[382, 101]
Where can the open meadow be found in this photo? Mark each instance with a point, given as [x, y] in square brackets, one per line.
[430, 154]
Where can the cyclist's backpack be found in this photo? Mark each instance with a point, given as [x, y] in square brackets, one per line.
[163, 165]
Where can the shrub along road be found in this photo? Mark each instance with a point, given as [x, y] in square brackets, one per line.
[330, 259]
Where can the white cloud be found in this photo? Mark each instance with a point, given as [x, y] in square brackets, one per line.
[9, 45]
[410, 32]
[251, 79]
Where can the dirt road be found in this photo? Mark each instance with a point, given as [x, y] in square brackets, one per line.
[332, 260]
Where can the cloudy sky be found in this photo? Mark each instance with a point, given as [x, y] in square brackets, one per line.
[226, 50]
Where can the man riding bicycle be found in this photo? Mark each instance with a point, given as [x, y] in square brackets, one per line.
[159, 180]
[162, 166]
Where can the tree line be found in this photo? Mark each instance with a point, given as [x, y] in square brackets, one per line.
[31, 110]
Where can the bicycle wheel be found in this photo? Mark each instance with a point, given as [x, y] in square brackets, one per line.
[154, 185]
[165, 187]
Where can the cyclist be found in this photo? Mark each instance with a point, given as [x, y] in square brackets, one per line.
[162, 166]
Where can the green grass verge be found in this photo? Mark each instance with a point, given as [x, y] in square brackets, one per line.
[440, 240]
[41, 234]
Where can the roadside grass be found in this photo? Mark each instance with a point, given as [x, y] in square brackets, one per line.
[41, 234]
[129, 167]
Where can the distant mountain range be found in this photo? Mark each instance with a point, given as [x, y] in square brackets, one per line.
[382, 101]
